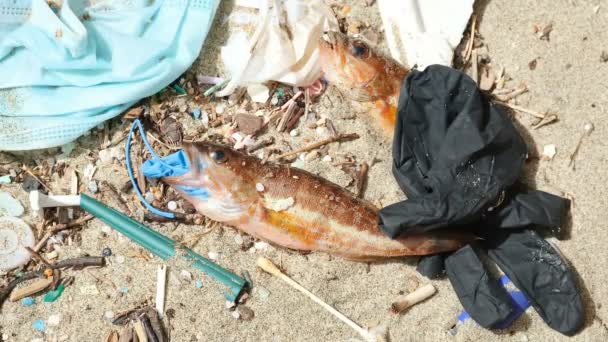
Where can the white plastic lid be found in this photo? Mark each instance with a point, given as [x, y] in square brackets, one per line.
[15, 235]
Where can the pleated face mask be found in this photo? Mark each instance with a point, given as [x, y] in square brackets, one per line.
[66, 68]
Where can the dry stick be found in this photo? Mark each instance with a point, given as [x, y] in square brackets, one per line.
[338, 138]
[510, 95]
[271, 268]
[361, 179]
[545, 121]
[38, 257]
[522, 109]
[469, 48]
[59, 228]
[36, 178]
[75, 263]
[475, 67]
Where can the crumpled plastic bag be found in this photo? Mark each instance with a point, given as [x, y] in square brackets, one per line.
[65, 70]
[283, 47]
[424, 32]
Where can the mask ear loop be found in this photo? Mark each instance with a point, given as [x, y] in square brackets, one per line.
[142, 133]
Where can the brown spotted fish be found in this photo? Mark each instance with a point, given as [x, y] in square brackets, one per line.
[292, 208]
[363, 74]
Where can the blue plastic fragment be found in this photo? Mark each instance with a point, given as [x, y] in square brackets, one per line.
[28, 301]
[39, 325]
[124, 290]
[196, 113]
[198, 284]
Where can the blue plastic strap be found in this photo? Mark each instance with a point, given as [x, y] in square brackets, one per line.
[148, 206]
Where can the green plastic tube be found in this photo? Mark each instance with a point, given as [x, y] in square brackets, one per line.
[160, 245]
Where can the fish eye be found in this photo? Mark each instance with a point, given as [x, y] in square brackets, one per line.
[359, 49]
[218, 156]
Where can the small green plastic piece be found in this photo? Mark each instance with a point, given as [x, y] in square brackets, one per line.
[179, 89]
[216, 87]
[52, 296]
[160, 245]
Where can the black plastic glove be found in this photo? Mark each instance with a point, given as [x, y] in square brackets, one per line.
[457, 157]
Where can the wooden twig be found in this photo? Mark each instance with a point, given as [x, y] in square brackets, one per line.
[338, 138]
[523, 110]
[57, 228]
[362, 179]
[27, 169]
[469, 49]
[38, 257]
[510, 95]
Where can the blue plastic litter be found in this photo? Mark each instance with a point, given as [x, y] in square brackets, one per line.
[28, 301]
[520, 304]
[196, 113]
[65, 71]
[198, 284]
[39, 325]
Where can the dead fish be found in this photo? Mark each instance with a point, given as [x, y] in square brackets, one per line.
[363, 74]
[293, 208]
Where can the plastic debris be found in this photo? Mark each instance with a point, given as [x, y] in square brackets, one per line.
[185, 276]
[9, 206]
[213, 255]
[106, 252]
[15, 235]
[198, 284]
[196, 113]
[53, 295]
[424, 32]
[5, 179]
[28, 301]
[263, 293]
[124, 290]
[92, 186]
[172, 205]
[273, 53]
[39, 325]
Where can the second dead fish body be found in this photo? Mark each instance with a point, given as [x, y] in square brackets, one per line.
[363, 74]
[293, 208]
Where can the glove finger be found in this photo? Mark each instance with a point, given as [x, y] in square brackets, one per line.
[432, 266]
[412, 215]
[538, 270]
[481, 295]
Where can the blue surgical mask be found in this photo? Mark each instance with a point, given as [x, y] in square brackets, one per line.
[64, 71]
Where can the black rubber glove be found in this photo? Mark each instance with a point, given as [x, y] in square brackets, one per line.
[457, 157]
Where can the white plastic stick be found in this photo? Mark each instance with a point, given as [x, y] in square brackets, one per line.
[39, 200]
[269, 267]
[413, 298]
[161, 284]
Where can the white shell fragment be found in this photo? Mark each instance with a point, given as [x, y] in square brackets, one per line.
[15, 235]
[549, 151]
[283, 47]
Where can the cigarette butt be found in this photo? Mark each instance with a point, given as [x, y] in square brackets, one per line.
[413, 298]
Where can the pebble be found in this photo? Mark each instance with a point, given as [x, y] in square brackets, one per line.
[52, 255]
[213, 255]
[238, 239]
[120, 259]
[275, 100]
[327, 159]
[259, 187]
[92, 186]
[589, 127]
[149, 197]
[28, 301]
[172, 205]
[198, 284]
[54, 320]
[230, 304]
[106, 252]
[106, 229]
[549, 151]
[263, 293]
[5, 337]
[236, 314]
[109, 314]
[39, 325]
[205, 118]
[220, 108]
[9, 206]
[261, 245]
[294, 133]
[105, 156]
[185, 275]
[246, 313]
